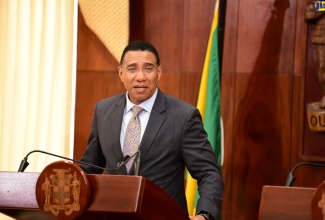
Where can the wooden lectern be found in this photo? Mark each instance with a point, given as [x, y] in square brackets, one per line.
[290, 203]
[110, 197]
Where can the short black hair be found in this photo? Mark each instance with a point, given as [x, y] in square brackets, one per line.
[142, 46]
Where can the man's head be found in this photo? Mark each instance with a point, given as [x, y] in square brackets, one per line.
[140, 70]
[140, 46]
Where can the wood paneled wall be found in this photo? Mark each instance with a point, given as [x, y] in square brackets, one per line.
[268, 78]
[267, 65]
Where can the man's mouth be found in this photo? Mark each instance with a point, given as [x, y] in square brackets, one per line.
[140, 88]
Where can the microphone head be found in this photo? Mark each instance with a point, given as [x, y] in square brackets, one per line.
[123, 160]
[126, 157]
[290, 180]
[23, 165]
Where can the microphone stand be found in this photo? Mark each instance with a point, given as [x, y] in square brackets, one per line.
[137, 164]
[291, 178]
[24, 162]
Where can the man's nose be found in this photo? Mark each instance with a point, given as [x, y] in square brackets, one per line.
[141, 74]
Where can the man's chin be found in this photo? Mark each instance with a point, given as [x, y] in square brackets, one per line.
[137, 99]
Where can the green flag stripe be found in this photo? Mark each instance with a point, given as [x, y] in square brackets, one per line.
[212, 103]
[212, 108]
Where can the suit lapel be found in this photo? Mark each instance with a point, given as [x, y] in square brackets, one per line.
[157, 117]
[116, 118]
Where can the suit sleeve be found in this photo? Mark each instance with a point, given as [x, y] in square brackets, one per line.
[201, 162]
[93, 153]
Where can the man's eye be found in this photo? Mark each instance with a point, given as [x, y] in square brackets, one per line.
[148, 69]
[132, 69]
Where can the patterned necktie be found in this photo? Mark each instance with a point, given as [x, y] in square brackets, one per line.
[132, 136]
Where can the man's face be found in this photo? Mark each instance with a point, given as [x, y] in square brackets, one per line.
[140, 74]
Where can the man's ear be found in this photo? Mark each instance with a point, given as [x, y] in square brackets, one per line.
[159, 72]
[120, 73]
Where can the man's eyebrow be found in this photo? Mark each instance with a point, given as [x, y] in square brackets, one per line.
[132, 65]
[148, 65]
[135, 65]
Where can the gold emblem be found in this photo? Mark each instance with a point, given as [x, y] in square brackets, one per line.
[62, 192]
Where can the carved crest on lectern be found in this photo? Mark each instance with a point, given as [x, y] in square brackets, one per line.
[318, 203]
[62, 192]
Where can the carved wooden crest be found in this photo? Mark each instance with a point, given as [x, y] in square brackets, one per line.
[318, 203]
[63, 190]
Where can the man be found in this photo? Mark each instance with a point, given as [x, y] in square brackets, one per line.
[172, 134]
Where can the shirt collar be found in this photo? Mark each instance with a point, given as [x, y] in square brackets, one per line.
[147, 105]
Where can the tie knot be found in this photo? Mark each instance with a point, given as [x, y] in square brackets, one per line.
[136, 110]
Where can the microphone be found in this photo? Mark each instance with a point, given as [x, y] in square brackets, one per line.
[24, 163]
[123, 160]
[291, 178]
[137, 165]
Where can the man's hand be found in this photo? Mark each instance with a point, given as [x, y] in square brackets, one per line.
[197, 217]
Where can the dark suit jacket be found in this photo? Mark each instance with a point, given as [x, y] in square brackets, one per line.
[174, 138]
